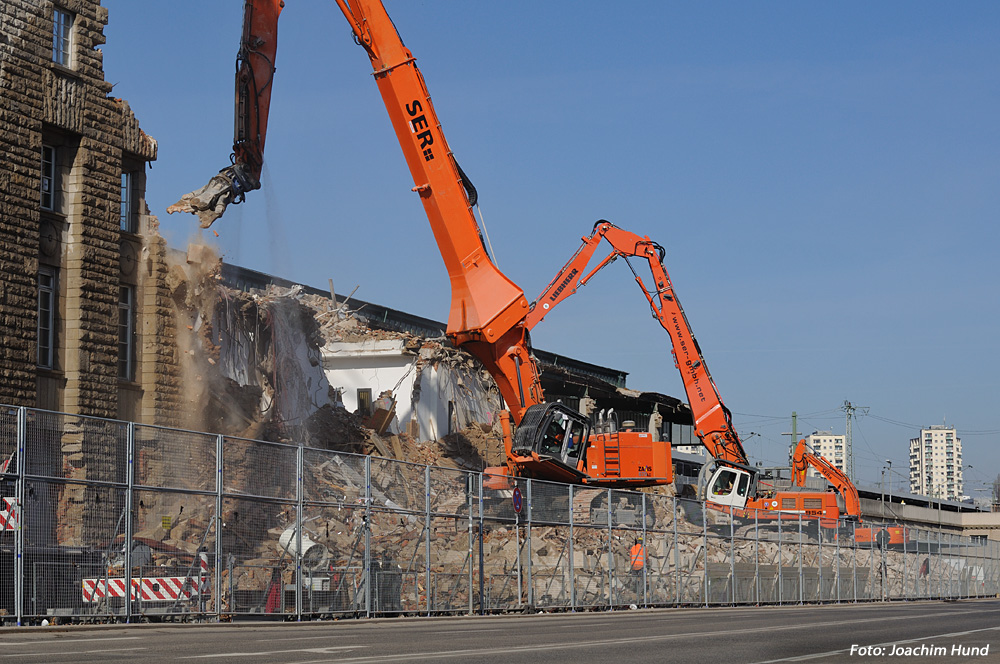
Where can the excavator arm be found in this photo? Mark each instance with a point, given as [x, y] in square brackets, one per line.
[254, 74]
[712, 420]
[804, 457]
[487, 308]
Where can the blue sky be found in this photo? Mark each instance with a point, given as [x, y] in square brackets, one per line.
[823, 176]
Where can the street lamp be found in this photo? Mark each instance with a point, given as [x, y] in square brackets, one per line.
[882, 483]
[889, 461]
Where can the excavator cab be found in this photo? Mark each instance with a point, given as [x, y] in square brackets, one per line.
[553, 432]
[727, 483]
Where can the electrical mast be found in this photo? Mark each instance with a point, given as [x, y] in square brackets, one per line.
[850, 409]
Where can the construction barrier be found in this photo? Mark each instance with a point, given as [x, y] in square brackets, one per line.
[115, 521]
[9, 514]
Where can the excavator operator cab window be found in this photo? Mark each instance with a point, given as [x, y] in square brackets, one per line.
[574, 445]
[724, 483]
[744, 484]
[563, 440]
[552, 442]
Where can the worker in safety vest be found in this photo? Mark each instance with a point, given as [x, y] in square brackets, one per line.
[637, 556]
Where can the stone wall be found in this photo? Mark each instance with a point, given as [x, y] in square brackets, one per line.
[96, 137]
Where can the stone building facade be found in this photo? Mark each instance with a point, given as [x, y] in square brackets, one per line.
[85, 318]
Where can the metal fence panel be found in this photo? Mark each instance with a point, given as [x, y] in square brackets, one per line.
[71, 535]
[333, 478]
[75, 447]
[258, 556]
[399, 555]
[173, 459]
[333, 569]
[398, 485]
[551, 569]
[661, 550]
[255, 468]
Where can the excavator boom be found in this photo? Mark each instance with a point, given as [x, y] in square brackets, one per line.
[487, 308]
[713, 421]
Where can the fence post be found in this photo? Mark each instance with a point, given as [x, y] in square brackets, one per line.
[299, 523]
[217, 575]
[756, 553]
[368, 536]
[19, 492]
[645, 554]
[704, 548]
[781, 574]
[469, 479]
[836, 577]
[819, 561]
[572, 559]
[482, 561]
[527, 544]
[905, 533]
[732, 560]
[677, 554]
[610, 556]
[427, 537]
[129, 500]
[854, 557]
[802, 581]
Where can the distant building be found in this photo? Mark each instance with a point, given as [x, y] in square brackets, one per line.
[936, 463]
[830, 447]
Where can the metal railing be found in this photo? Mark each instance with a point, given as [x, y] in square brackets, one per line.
[105, 520]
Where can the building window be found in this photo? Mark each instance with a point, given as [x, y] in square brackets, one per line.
[46, 318]
[364, 401]
[128, 219]
[126, 332]
[48, 199]
[62, 30]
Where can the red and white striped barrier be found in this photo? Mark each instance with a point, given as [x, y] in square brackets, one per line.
[149, 589]
[10, 515]
[205, 585]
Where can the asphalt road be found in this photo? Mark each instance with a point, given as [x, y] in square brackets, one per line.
[743, 635]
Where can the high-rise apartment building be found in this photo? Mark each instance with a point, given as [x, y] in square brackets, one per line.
[936, 463]
[830, 447]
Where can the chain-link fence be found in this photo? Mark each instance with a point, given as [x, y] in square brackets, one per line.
[104, 520]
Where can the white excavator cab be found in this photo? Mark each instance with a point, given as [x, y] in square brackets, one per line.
[730, 485]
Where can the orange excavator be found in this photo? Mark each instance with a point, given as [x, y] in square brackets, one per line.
[490, 316]
[728, 482]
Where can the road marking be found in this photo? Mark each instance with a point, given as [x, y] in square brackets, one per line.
[75, 653]
[802, 658]
[467, 631]
[321, 651]
[58, 641]
[304, 638]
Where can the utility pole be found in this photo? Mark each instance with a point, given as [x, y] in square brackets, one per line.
[850, 409]
[794, 433]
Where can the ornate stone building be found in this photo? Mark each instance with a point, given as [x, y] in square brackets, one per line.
[82, 300]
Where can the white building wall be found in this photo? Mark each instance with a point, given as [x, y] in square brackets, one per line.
[936, 463]
[440, 392]
[378, 365]
[451, 396]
